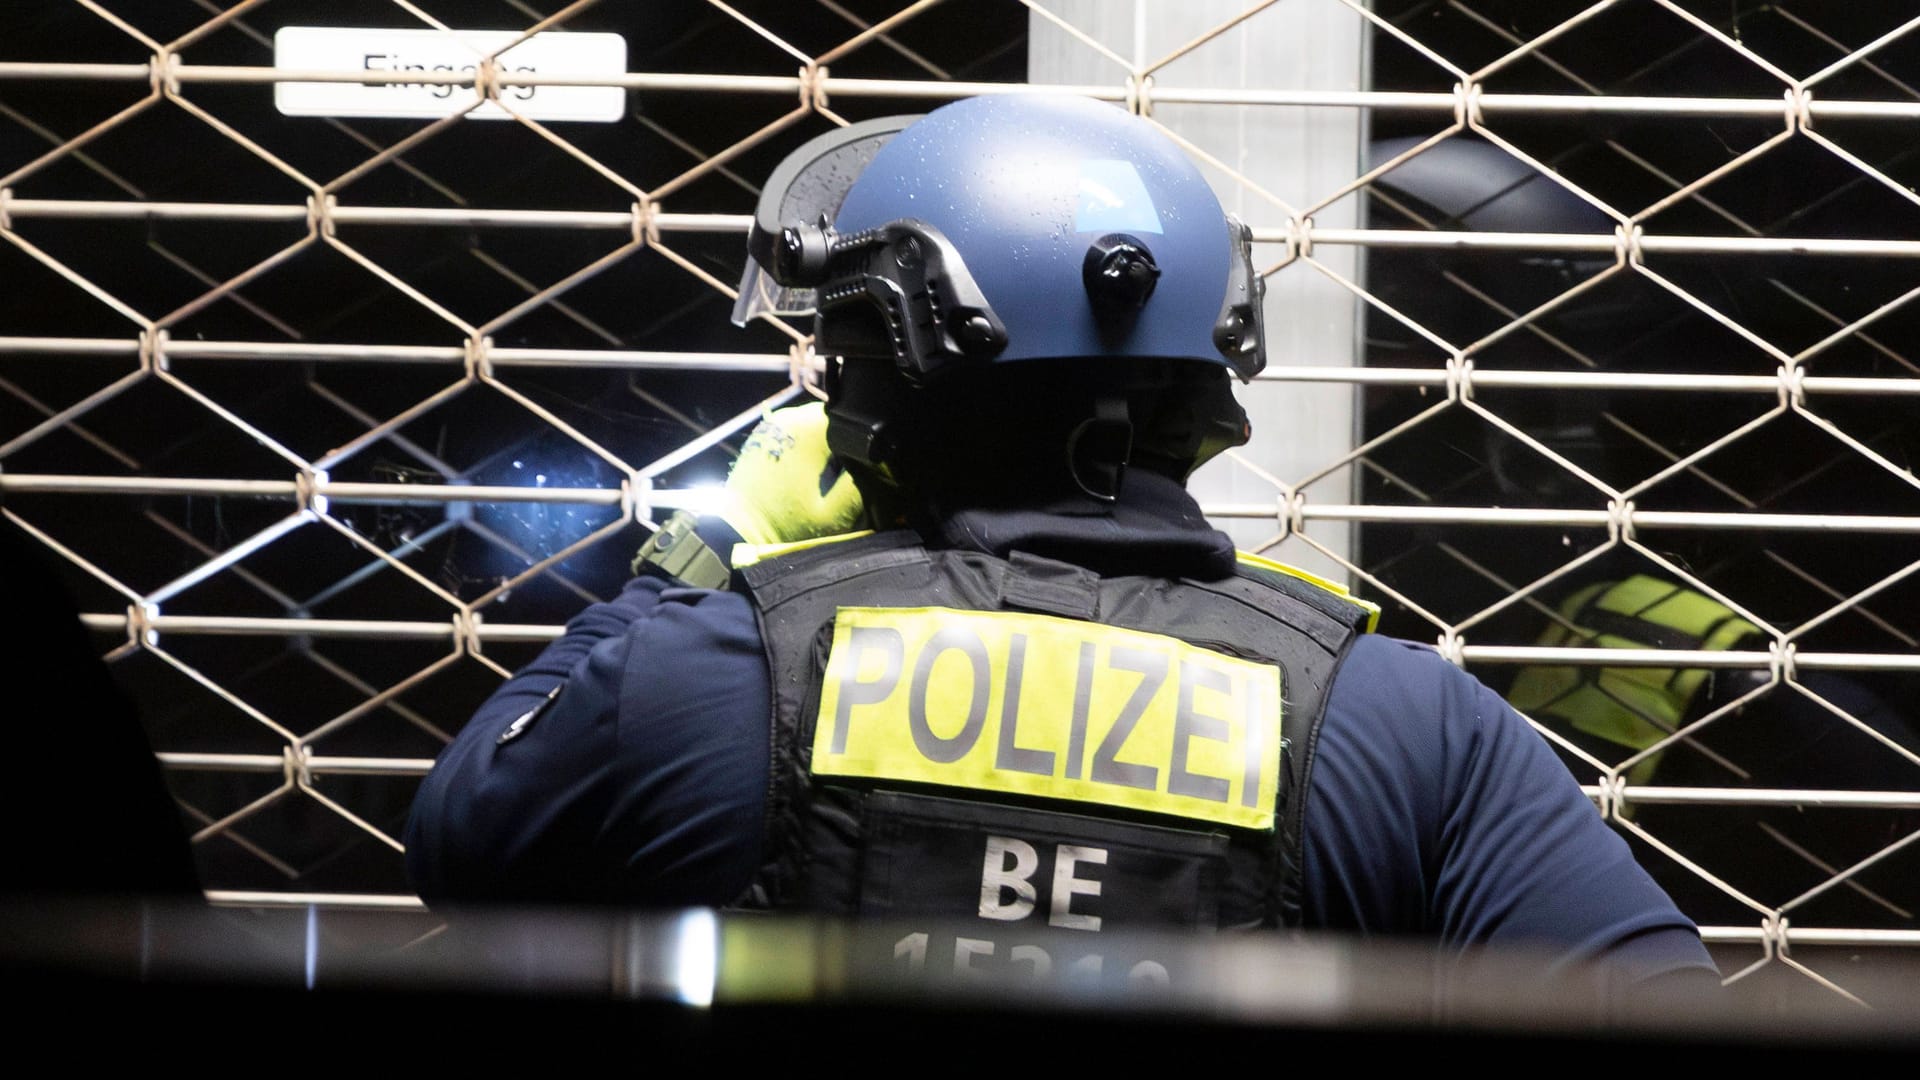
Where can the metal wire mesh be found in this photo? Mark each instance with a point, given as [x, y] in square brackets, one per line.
[336, 421]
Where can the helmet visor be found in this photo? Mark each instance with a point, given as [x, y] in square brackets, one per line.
[806, 189]
[761, 295]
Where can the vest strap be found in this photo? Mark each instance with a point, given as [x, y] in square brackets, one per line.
[1050, 588]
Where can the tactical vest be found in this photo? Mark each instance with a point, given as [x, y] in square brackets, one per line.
[1023, 741]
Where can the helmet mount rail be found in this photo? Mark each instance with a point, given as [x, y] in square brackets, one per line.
[934, 314]
[931, 313]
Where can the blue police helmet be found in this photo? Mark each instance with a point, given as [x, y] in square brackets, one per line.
[1007, 228]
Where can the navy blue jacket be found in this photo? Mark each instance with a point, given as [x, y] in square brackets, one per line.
[1433, 808]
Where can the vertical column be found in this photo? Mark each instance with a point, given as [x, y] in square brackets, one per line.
[1296, 154]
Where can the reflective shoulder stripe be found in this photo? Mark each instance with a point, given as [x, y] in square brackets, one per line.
[1261, 562]
[748, 554]
[1664, 603]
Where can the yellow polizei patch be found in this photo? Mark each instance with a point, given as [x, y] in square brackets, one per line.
[1036, 705]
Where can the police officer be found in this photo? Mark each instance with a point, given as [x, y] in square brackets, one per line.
[961, 645]
[1742, 729]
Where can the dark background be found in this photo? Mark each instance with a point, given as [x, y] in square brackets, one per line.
[649, 302]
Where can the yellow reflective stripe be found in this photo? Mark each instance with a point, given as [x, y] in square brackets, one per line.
[1676, 607]
[1056, 708]
[1633, 595]
[1372, 609]
[748, 554]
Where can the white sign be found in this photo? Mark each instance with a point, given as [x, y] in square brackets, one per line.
[330, 48]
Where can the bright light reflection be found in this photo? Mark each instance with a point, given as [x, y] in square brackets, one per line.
[702, 498]
[696, 956]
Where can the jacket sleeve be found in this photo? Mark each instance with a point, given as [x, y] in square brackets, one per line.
[1434, 808]
[625, 764]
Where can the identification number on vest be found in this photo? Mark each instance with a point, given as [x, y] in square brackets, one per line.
[1050, 707]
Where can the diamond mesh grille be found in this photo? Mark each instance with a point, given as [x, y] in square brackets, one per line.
[335, 422]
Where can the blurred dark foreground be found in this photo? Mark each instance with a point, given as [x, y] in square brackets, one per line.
[477, 986]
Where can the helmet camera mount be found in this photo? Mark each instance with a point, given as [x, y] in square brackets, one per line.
[1119, 275]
